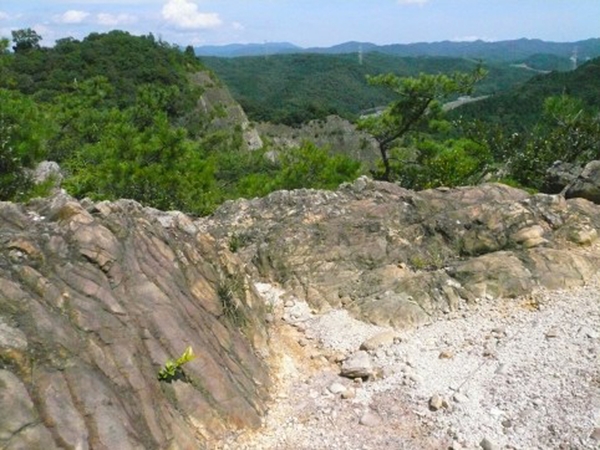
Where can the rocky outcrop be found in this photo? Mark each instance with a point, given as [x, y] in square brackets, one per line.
[337, 134]
[217, 102]
[398, 257]
[94, 299]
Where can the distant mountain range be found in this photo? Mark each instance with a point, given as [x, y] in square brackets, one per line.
[505, 51]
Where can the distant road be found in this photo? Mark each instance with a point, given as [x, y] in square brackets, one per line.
[463, 101]
[447, 107]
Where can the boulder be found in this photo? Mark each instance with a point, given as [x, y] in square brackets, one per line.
[48, 171]
[560, 175]
[587, 184]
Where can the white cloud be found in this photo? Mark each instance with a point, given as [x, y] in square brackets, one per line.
[412, 2]
[238, 26]
[185, 14]
[4, 16]
[72, 16]
[111, 20]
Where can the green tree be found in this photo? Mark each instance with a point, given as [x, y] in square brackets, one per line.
[309, 166]
[567, 131]
[5, 60]
[450, 163]
[25, 40]
[418, 105]
[23, 134]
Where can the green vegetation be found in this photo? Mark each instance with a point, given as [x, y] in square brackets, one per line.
[315, 86]
[552, 117]
[521, 108]
[229, 290]
[119, 114]
[418, 105]
[566, 131]
[172, 370]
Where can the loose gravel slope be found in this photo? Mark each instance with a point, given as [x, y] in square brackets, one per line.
[504, 374]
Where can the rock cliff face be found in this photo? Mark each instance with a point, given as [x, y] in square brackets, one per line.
[95, 298]
[226, 113]
[338, 134]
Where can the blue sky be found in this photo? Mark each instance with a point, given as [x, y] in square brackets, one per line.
[307, 22]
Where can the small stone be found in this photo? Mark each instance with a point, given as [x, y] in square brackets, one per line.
[589, 333]
[370, 419]
[496, 412]
[552, 333]
[502, 369]
[486, 444]
[507, 423]
[269, 318]
[357, 366]
[289, 303]
[379, 340]
[300, 326]
[336, 388]
[446, 354]
[349, 394]
[460, 398]
[388, 372]
[595, 434]
[499, 331]
[302, 342]
[489, 352]
[336, 357]
[380, 354]
[436, 402]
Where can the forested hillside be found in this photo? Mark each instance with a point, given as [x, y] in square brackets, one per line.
[521, 107]
[296, 88]
[121, 116]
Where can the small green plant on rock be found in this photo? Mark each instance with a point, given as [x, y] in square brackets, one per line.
[173, 369]
[228, 288]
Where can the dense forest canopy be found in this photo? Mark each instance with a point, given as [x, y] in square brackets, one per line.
[316, 85]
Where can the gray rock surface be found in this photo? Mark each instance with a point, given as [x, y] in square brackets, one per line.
[48, 170]
[587, 184]
[94, 299]
[560, 175]
[216, 102]
[340, 135]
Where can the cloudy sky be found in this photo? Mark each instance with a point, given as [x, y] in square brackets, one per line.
[307, 22]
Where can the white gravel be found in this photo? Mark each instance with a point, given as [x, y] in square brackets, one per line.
[520, 374]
